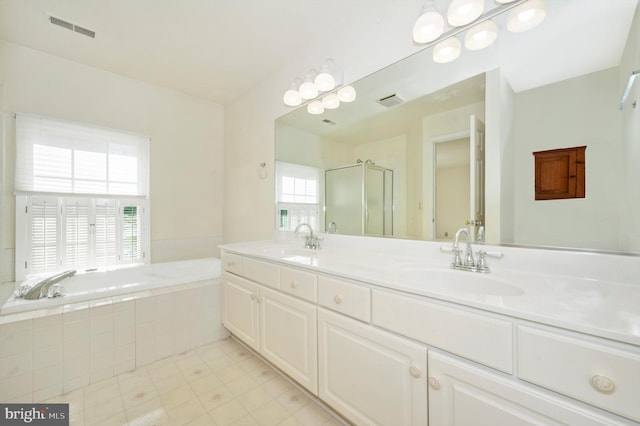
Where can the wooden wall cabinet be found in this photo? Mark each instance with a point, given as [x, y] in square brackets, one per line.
[560, 173]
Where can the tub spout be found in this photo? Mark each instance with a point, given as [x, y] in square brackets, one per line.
[41, 288]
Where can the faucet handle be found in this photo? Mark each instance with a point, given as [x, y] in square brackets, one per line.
[482, 261]
[457, 260]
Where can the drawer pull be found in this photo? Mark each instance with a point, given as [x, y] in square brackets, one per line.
[231, 264]
[414, 371]
[603, 384]
[434, 383]
[294, 284]
[338, 299]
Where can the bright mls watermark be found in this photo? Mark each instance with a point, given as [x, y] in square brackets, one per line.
[34, 414]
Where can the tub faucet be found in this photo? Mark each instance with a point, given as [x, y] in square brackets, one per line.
[311, 241]
[41, 288]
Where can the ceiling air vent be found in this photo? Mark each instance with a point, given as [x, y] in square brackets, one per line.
[72, 27]
[391, 100]
[327, 121]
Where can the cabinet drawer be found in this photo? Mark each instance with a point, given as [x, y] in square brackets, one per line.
[232, 263]
[349, 299]
[298, 283]
[599, 375]
[477, 337]
[261, 272]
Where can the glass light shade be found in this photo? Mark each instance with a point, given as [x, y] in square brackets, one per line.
[526, 16]
[463, 12]
[347, 94]
[429, 26]
[315, 107]
[307, 89]
[331, 101]
[324, 81]
[447, 50]
[292, 96]
[481, 35]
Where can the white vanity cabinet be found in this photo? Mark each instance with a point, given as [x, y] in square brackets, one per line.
[280, 327]
[370, 376]
[461, 393]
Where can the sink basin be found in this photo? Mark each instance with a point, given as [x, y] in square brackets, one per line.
[452, 281]
[284, 252]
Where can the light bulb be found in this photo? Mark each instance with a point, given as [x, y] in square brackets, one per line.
[324, 81]
[463, 12]
[308, 90]
[331, 101]
[315, 107]
[481, 35]
[347, 94]
[447, 50]
[292, 96]
[526, 16]
[429, 26]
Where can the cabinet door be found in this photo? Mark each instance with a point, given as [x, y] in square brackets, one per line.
[461, 393]
[288, 336]
[240, 309]
[370, 376]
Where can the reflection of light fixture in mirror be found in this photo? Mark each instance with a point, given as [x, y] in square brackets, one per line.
[347, 94]
[324, 80]
[308, 89]
[463, 12]
[292, 96]
[331, 101]
[526, 16]
[429, 25]
[315, 107]
[481, 35]
[447, 50]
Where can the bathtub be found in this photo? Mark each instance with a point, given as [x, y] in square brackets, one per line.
[108, 323]
[96, 286]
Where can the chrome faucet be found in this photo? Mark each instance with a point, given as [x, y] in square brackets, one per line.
[41, 288]
[469, 263]
[311, 241]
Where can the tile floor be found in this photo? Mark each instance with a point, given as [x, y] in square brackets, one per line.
[218, 384]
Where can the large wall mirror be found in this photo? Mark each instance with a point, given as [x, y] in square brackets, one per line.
[456, 146]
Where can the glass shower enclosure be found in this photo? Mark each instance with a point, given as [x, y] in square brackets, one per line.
[359, 200]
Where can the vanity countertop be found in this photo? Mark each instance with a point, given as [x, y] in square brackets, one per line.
[588, 304]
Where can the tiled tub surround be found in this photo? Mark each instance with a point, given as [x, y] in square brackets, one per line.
[54, 349]
[542, 333]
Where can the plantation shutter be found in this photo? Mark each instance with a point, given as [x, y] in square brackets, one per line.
[105, 230]
[132, 233]
[43, 234]
[76, 233]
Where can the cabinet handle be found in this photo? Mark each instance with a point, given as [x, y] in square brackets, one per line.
[253, 297]
[434, 383]
[294, 284]
[338, 299]
[414, 371]
[603, 384]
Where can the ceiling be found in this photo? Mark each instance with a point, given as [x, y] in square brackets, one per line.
[220, 49]
[215, 49]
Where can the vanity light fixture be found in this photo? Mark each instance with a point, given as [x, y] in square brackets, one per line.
[318, 90]
[469, 16]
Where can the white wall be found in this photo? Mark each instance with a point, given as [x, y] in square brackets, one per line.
[379, 36]
[186, 143]
[577, 112]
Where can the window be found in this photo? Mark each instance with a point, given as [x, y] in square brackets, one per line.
[297, 196]
[81, 197]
